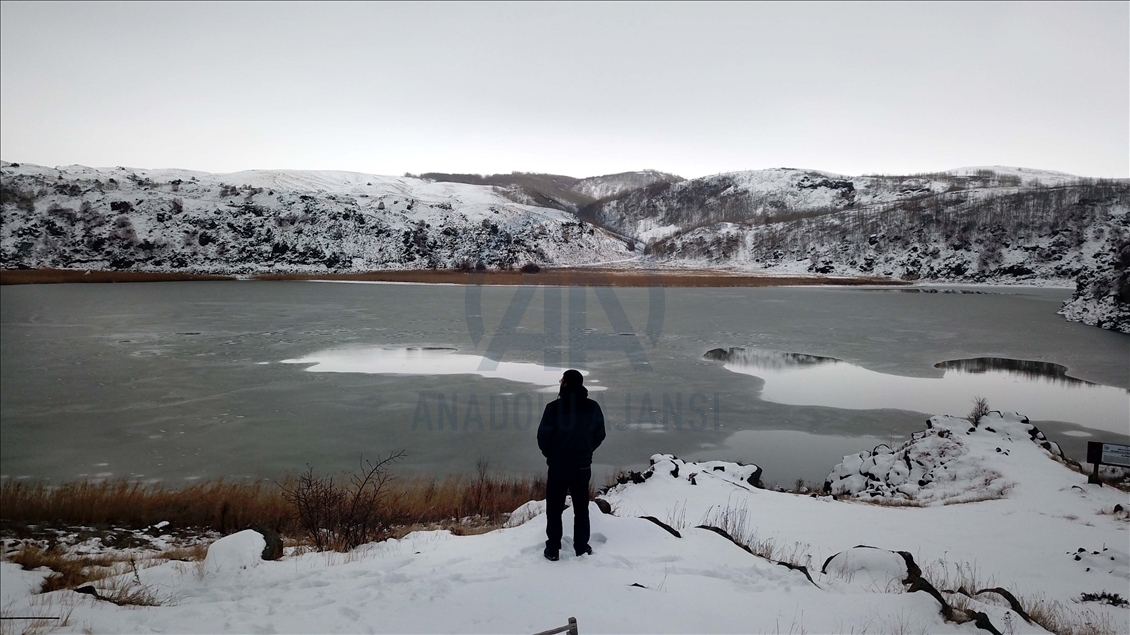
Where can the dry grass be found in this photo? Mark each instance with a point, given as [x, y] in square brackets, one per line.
[430, 500]
[1062, 620]
[736, 522]
[227, 506]
[55, 276]
[960, 581]
[47, 613]
[1122, 483]
[217, 505]
[126, 589]
[68, 570]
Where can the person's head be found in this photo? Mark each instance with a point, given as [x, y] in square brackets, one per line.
[572, 379]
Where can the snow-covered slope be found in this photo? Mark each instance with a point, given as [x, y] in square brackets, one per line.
[986, 227]
[757, 194]
[612, 185]
[718, 554]
[276, 220]
[1102, 290]
[1027, 176]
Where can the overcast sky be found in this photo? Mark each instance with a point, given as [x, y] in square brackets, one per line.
[579, 89]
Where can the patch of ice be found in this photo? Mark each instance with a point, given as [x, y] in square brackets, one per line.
[429, 361]
[789, 379]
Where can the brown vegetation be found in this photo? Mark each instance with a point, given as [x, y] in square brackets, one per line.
[56, 276]
[563, 277]
[228, 506]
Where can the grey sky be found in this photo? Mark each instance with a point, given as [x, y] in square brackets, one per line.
[579, 89]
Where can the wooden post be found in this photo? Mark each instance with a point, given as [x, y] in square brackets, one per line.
[573, 626]
[1094, 457]
[1094, 477]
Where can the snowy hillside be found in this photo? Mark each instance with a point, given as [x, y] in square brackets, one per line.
[983, 225]
[785, 194]
[613, 185]
[982, 228]
[269, 220]
[692, 547]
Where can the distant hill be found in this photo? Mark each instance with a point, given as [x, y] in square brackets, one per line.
[276, 220]
[616, 185]
[565, 193]
[996, 224]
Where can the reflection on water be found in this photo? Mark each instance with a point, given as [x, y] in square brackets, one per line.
[774, 360]
[1022, 367]
[1023, 386]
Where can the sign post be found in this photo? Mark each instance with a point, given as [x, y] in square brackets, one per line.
[1099, 453]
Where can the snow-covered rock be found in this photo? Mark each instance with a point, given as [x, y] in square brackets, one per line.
[1102, 290]
[525, 513]
[236, 552]
[880, 568]
[951, 461]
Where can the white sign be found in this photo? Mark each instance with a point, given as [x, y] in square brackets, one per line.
[1114, 454]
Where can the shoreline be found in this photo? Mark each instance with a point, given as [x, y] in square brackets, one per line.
[558, 277]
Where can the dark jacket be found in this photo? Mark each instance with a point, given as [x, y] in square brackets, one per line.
[572, 426]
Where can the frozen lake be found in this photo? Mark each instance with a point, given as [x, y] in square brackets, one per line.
[195, 380]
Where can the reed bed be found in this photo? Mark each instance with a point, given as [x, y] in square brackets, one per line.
[226, 506]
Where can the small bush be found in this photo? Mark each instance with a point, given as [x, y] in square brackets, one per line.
[341, 516]
[980, 409]
[1105, 597]
[530, 268]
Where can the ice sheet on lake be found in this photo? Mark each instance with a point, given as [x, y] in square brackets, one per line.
[790, 378]
[431, 361]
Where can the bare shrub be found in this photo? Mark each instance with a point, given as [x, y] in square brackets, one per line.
[341, 516]
[980, 409]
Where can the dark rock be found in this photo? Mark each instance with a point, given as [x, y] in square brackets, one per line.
[664, 525]
[755, 480]
[1013, 603]
[799, 567]
[603, 505]
[274, 548]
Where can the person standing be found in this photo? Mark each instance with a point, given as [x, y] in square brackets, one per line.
[571, 428]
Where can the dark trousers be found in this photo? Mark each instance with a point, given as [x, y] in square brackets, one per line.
[574, 481]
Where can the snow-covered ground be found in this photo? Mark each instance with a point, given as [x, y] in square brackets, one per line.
[1041, 533]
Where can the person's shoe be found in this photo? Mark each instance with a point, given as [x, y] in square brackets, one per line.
[585, 550]
[550, 554]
